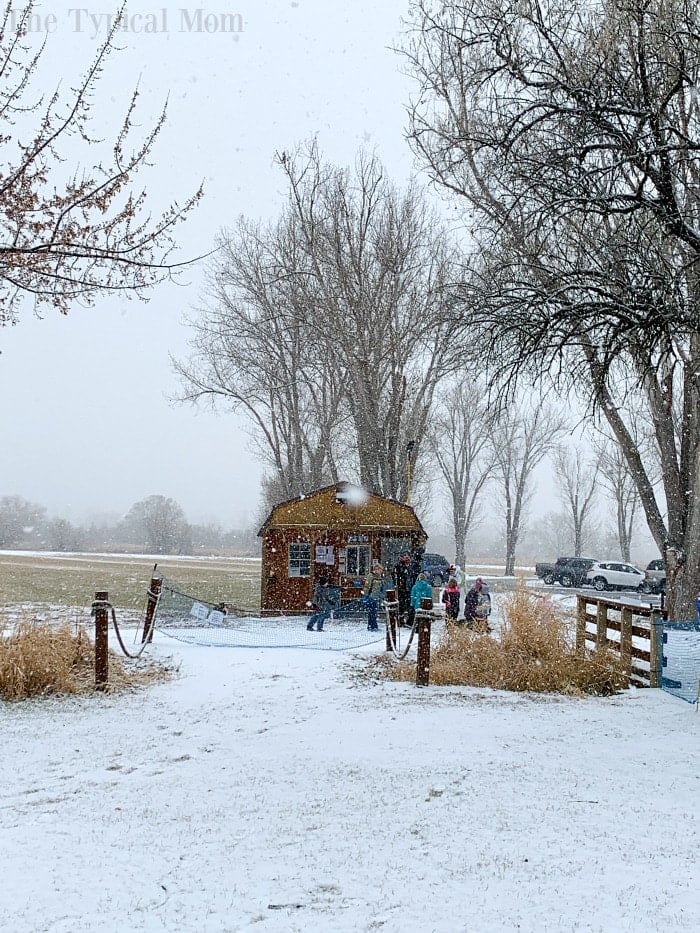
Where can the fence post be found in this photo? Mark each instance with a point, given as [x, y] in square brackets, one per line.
[656, 649]
[392, 615]
[626, 640]
[153, 593]
[601, 626]
[580, 625]
[101, 640]
[423, 659]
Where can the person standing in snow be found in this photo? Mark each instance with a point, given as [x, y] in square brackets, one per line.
[450, 597]
[403, 588]
[374, 587]
[477, 606]
[415, 568]
[461, 578]
[323, 603]
[421, 589]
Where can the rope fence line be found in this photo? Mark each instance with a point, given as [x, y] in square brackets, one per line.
[392, 631]
[672, 661]
[98, 604]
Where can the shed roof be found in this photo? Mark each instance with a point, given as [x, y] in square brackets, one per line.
[343, 505]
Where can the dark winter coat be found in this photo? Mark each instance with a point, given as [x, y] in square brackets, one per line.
[477, 604]
[415, 567]
[450, 597]
[321, 597]
[403, 588]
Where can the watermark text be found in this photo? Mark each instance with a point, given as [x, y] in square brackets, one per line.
[94, 23]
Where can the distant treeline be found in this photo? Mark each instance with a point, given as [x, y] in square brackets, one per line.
[155, 525]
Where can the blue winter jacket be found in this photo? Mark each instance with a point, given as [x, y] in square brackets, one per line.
[421, 589]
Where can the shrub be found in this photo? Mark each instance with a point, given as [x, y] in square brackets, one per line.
[533, 651]
[37, 658]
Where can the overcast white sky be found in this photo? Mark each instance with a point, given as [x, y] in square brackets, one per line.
[86, 424]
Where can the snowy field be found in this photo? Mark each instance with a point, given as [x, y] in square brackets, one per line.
[276, 790]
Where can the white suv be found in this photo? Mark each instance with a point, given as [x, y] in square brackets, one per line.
[612, 575]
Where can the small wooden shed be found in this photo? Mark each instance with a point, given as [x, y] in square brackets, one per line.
[339, 531]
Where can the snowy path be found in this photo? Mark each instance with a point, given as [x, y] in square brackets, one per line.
[268, 790]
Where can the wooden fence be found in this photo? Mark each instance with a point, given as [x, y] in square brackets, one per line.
[635, 632]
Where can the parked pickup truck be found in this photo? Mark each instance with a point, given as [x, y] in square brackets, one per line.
[568, 571]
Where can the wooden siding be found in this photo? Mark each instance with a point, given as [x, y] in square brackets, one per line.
[322, 522]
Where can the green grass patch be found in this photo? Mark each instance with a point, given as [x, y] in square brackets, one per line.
[67, 580]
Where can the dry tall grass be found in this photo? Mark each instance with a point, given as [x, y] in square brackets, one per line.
[533, 651]
[38, 659]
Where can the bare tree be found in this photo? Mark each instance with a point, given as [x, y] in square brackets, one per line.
[523, 436]
[595, 104]
[378, 266]
[574, 135]
[550, 535]
[621, 488]
[19, 520]
[332, 328]
[159, 525]
[82, 232]
[62, 535]
[460, 441]
[255, 348]
[576, 486]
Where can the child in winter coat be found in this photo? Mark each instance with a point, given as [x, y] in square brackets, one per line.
[450, 597]
[421, 589]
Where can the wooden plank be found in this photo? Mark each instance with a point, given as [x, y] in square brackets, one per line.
[613, 645]
[580, 626]
[601, 624]
[656, 660]
[626, 640]
[639, 631]
[644, 612]
[640, 672]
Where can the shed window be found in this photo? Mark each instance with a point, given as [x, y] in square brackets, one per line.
[299, 560]
[359, 558]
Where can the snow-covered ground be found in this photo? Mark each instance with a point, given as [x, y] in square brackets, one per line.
[277, 790]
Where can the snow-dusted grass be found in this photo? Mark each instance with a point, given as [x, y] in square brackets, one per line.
[284, 790]
[72, 579]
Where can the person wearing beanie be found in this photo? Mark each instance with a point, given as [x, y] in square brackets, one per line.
[477, 606]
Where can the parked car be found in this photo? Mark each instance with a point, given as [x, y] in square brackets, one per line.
[437, 567]
[654, 578]
[613, 575]
[569, 571]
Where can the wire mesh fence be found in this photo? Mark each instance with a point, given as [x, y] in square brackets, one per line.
[196, 620]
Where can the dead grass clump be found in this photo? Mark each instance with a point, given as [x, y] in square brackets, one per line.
[532, 652]
[38, 659]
